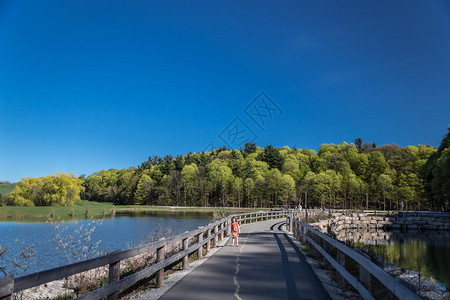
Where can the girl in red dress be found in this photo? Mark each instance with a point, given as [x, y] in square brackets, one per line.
[235, 230]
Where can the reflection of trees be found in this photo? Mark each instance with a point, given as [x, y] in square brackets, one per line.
[426, 252]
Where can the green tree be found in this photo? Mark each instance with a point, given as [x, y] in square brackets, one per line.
[436, 173]
[59, 189]
[238, 187]
[358, 143]
[384, 183]
[144, 189]
[190, 180]
[287, 188]
[272, 157]
[221, 176]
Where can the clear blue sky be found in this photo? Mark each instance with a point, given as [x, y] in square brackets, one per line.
[91, 85]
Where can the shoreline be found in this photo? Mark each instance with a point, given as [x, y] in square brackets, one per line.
[86, 209]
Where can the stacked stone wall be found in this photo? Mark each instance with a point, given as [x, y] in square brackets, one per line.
[406, 221]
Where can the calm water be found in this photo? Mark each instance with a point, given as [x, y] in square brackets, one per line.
[114, 233]
[428, 252]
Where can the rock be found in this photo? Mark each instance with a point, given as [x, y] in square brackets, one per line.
[49, 290]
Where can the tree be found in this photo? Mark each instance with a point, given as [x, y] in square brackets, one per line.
[143, 191]
[256, 176]
[358, 143]
[249, 148]
[335, 183]
[238, 187]
[271, 187]
[436, 173]
[249, 186]
[272, 157]
[189, 177]
[384, 183]
[59, 189]
[221, 176]
[287, 188]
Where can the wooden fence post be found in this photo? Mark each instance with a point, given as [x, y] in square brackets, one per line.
[291, 221]
[221, 234]
[229, 228]
[326, 247]
[340, 257]
[305, 230]
[216, 237]
[314, 251]
[299, 236]
[199, 241]
[6, 287]
[366, 278]
[114, 275]
[208, 243]
[186, 257]
[160, 274]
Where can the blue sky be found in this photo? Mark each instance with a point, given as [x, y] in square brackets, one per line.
[91, 85]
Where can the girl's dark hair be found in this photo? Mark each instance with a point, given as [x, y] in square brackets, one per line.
[233, 219]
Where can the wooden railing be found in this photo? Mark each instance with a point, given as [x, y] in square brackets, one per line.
[203, 238]
[324, 244]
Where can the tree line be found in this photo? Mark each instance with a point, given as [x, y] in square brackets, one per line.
[336, 176]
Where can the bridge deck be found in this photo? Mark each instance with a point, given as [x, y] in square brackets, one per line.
[266, 265]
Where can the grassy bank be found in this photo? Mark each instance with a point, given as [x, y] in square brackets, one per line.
[96, 209]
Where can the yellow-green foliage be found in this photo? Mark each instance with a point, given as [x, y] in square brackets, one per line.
[58, 189]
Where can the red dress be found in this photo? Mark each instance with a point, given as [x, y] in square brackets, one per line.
[234, 229]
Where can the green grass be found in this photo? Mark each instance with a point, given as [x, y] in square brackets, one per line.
[96, 209]
[79, 209]
[5, 189]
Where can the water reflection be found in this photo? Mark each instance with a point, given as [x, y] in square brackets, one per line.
[427, 252]
[114, 233]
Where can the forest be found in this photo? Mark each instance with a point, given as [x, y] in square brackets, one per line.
[336, 176]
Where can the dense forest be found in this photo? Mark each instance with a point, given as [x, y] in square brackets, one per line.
[337, 176]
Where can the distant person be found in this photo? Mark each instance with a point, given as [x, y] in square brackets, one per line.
[235, 231]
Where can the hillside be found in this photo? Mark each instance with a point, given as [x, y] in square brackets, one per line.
[5, 189]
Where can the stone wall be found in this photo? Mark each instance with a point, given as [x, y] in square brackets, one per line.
[385, 220]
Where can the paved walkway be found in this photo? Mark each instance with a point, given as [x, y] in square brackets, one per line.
[266, 265]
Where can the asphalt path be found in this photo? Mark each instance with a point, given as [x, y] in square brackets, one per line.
[266, 265]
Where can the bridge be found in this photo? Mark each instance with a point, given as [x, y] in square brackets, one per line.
[266, 265]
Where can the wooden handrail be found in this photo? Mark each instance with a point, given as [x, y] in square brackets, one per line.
[384, 278]
[9, 285]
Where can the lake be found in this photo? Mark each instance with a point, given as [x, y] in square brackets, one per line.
[123, 230]
[427, 252]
